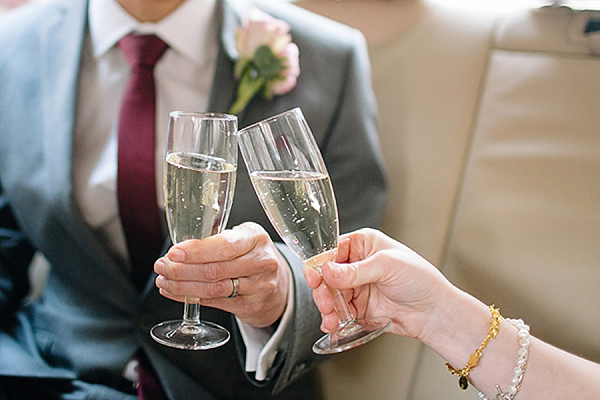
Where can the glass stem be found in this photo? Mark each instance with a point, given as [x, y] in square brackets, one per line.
[339, 303]
[191, 311]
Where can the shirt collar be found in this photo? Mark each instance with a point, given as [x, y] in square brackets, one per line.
[187, 29]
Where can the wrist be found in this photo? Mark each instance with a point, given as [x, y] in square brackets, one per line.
[282, 296]
[456, 327]
[459, 326]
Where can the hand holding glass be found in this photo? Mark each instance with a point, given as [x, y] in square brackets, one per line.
[199, 181]
[292, 183]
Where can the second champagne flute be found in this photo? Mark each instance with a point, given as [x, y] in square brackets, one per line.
[199, 181]
[289, 176]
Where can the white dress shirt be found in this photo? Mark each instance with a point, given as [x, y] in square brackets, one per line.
[183, 77]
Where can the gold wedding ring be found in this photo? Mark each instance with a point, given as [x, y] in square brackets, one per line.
[236, 288]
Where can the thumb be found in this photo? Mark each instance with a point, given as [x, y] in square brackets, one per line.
[351, 275]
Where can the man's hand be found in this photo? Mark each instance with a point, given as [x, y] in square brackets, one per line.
[204, 269]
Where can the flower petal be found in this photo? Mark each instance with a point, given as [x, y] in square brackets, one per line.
[284, 86]
[269, 61]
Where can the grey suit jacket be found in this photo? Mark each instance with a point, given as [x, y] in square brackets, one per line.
[91, 320]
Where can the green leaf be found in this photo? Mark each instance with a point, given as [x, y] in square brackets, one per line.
[266, 63]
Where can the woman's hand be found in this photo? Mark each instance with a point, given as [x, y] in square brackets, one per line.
[379, 277]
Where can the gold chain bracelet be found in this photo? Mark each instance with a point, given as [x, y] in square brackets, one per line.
[463, 374]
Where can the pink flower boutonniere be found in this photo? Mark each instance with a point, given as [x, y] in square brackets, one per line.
[268, 61]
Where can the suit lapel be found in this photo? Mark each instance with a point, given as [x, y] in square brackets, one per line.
[61, 55]
[224, 85]
[62, 43]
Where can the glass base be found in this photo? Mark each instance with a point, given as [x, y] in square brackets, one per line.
[182, 335]
[351, 335]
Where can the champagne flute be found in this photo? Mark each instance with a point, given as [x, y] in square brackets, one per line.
[292, 183]
[199, 181]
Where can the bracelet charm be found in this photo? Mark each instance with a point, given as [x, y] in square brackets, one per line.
[463, 374]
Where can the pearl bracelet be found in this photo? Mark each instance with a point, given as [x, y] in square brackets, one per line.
[515, 384]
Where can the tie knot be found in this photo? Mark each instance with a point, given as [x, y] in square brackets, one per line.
[142, 50]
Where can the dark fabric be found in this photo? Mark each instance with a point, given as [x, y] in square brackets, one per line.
[148, 387]
[14, 281]
[13, 388]
[136, 184]
[26, 388]
[592, 26]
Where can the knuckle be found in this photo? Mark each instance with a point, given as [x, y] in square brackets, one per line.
[212, 271]
[255, 308]
[173, 287]
[253, 227]
[173, 272]
[351, 273]
[269, 287]
[216, 289]
[270, 264]
[168, 270]
[229, 249]
[262, 237]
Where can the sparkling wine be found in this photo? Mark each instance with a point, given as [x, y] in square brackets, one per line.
[301, 207]
[198, 194]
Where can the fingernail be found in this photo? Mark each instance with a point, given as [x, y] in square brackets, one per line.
[161, 282]
[177, 255]
[159, 266]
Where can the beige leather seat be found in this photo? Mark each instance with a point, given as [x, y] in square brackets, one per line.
[491, 130]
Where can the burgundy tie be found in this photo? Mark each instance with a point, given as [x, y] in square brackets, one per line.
[136, 182]
[148, 387]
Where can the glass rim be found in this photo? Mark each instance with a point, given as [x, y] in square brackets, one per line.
[269, 119]
[204, 114]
